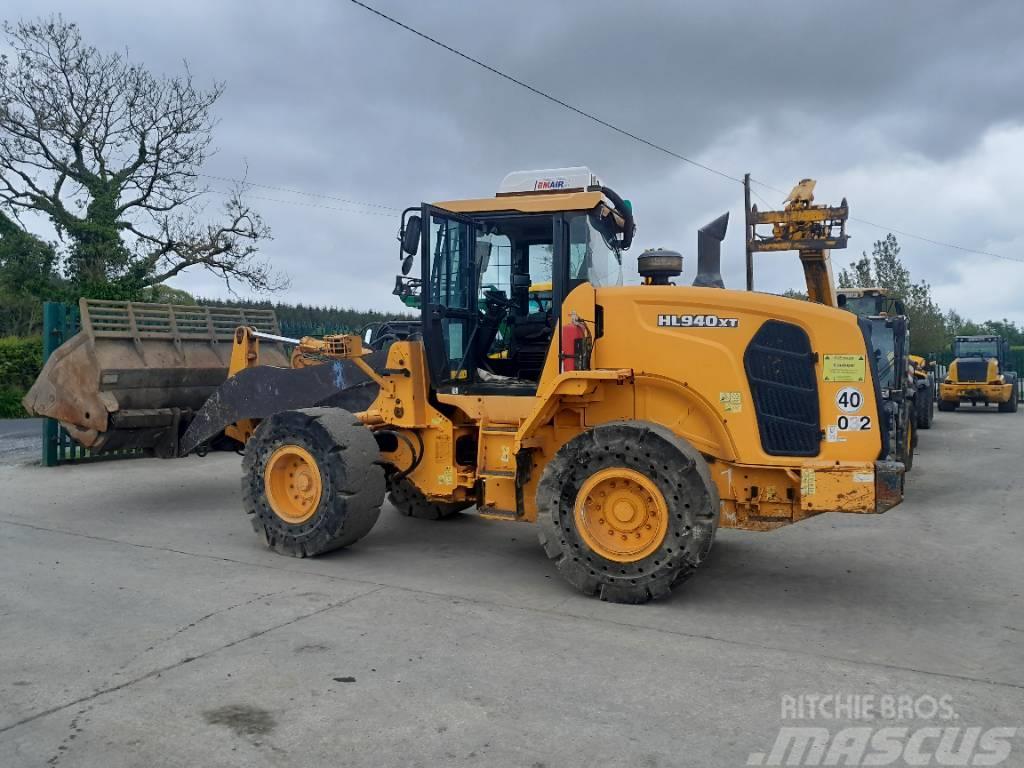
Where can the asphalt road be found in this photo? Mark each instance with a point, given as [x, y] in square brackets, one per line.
[142, 624]
[20, 440]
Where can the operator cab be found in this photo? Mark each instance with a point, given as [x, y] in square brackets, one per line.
[494, 273]
[869, 302]
[981, 347]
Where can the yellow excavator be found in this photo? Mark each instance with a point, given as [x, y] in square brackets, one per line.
[628, 422]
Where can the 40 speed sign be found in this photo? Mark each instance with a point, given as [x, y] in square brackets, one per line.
[849, 399]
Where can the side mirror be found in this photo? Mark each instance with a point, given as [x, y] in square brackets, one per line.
[407, 264]
[411, 235]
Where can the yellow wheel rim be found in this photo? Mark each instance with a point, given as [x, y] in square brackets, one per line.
[621, 515]
[293, 484]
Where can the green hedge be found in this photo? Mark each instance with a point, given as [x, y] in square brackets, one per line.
[20, 362]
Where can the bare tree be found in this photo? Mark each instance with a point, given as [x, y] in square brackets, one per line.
[112, 154]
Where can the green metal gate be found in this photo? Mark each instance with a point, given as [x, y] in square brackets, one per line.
[61, 322]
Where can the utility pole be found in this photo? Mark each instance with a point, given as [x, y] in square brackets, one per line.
[748, 231]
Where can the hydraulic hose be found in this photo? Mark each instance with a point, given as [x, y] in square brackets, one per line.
[627, 215]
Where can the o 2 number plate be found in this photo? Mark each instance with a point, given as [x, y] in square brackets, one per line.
[853, 423]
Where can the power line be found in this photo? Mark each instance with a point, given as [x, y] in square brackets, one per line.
[904, 233]
[548, 96]
[247, 183]
[766, 185]
[653, 145]
[760, 197]
[312, 205]
[935, 242]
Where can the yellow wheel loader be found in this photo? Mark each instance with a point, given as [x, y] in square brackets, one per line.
[628, 422]
[979, 374]
[885, 318]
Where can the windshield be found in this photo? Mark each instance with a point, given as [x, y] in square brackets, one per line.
[527, 243]
[864, 306]
[591, 257]
[976, 348]
[883, 344]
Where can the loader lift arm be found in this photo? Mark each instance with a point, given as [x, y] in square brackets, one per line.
[327, 371]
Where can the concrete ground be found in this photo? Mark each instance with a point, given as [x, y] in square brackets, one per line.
[142, 624]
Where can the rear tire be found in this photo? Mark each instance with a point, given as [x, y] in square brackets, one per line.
[349, 483]
[410, 501]
[667, 473]
[909, 440]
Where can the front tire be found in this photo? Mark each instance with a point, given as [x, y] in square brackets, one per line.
[948, 405]
[627, 510]
[311, 482]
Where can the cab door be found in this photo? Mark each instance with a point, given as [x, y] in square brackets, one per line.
[450, 313]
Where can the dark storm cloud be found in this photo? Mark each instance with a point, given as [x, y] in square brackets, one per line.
[325, 97]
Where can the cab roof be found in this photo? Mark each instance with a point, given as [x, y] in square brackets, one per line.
[870, 291]
[547, 202]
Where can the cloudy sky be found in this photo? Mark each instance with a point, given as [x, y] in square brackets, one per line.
[910, 110]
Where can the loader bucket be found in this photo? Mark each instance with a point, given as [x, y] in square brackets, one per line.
[135, 374]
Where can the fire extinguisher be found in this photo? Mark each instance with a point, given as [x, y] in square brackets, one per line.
[577, 344]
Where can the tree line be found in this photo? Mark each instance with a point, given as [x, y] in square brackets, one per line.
[311, 320]
[931, 329]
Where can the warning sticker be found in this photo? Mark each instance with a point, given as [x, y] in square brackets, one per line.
[732, 402]
[844, 368]
[808, 482]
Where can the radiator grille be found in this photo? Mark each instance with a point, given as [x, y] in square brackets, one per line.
[780, 371]
[971, 370]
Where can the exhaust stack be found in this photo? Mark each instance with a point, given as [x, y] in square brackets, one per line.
[709, 253]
